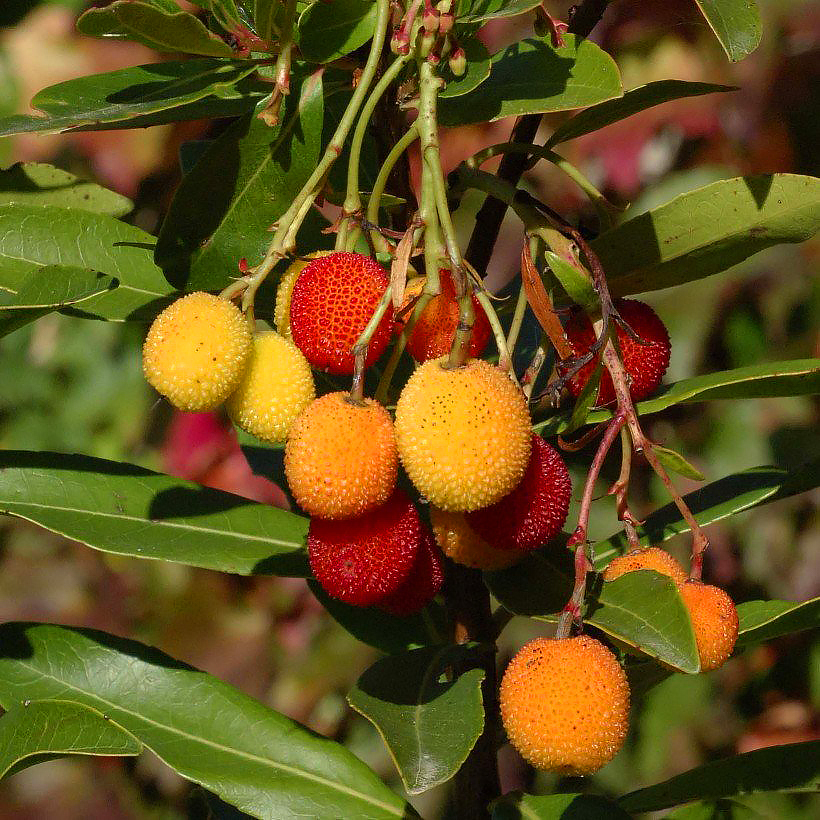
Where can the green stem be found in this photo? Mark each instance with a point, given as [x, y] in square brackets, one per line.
[290, 222]
[504, 356]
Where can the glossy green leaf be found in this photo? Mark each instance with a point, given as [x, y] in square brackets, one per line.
[578, 286]
[126, 510]
[428, 722]
[519, 806]
[736, 24]
[244, 182]
[480, 11]
[713, 502]
[706, 231]
[143, 95]
[800, 377]
[676, 463]
[763, 620]
[153, 27]
[388, 633]
[328, 31]
[478, 69]
[33, 728]
[264, 16]
[793, 767]
[252, 757]
[532, 77]
[638, 99]
[35, 183]
[36, 236]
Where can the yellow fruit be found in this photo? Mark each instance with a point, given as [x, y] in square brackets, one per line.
[649, 558]
[196, 351]
[714, 621]
[276, 388]
[461, 543]
[463, 434]
[565, 704]
[340, 458]
[281, 310]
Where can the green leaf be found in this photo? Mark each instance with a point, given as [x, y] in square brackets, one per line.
[143, 95]
[799, 377]
[519, 806]
[736, 24]
[479, 11]
[33, 728]
[578, 285]
[644, 611]
[153, 27]
[677, 463]
[34, 183]
[428, 721]
[706, 231]
[532, 77]
[585, 401]
[37, 236]
[478, 69]
[328, 31]
[792, 767]
[264, 15]
[252, 757]
[714, 502]
[242, 184]
[763, 620]
[386, 632]
[638, 99]
[126, 510]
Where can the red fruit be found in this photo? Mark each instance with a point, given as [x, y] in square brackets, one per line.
[535, 510]
[435, 329]
[362, 560]
[421, 585]
[333, 299]
[645, 363]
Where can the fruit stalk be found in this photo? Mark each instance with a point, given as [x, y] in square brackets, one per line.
[360, 348]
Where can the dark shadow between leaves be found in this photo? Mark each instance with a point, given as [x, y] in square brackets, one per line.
[190, 502]
[23, 459]
[759, 187]
[580, 807]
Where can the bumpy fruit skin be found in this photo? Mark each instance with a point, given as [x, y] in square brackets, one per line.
[281, 311]
[276, 388]
[362, 560]
[463, 434]
[535, 510]
[645, 363]
[565, 704]
[462, 544]
[340, 458]
[332, 301]
[422, 583]
[714, 620]
[650, 558]
[196, 351]
[435, 329]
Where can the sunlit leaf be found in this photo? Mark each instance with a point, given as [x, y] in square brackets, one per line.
[736, 24]
[763, 620]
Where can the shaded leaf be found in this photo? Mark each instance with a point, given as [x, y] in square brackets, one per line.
[677, 463]
[479, 11]
[35, 183]
[126, 510]
[532, 77]
[207, 731]
[143, 95]
[638, 99]
[736, 24]
[478, 69]
[241, 185]
[428, 722]
[264, 15]
[519, 806]
[153, 27]
[577, 284]
[328, 31]
[713, 502]
[763, 620]
[33, 728]
[792, 767]
[706, 231]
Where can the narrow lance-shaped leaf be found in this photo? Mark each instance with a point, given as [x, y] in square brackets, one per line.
[706, 231]
[33, 729]
[124, 509]
[428, 722]
[252, 757]
[480, 11]
[763, 620]
[328, 31]
[736, 24]
[676, 463]
[793, 767]
[153, 27]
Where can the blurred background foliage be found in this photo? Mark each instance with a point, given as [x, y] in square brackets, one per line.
[76, 386]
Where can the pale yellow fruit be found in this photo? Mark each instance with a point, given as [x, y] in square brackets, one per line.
[463, 545]
[281, 310]
[276, 388]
